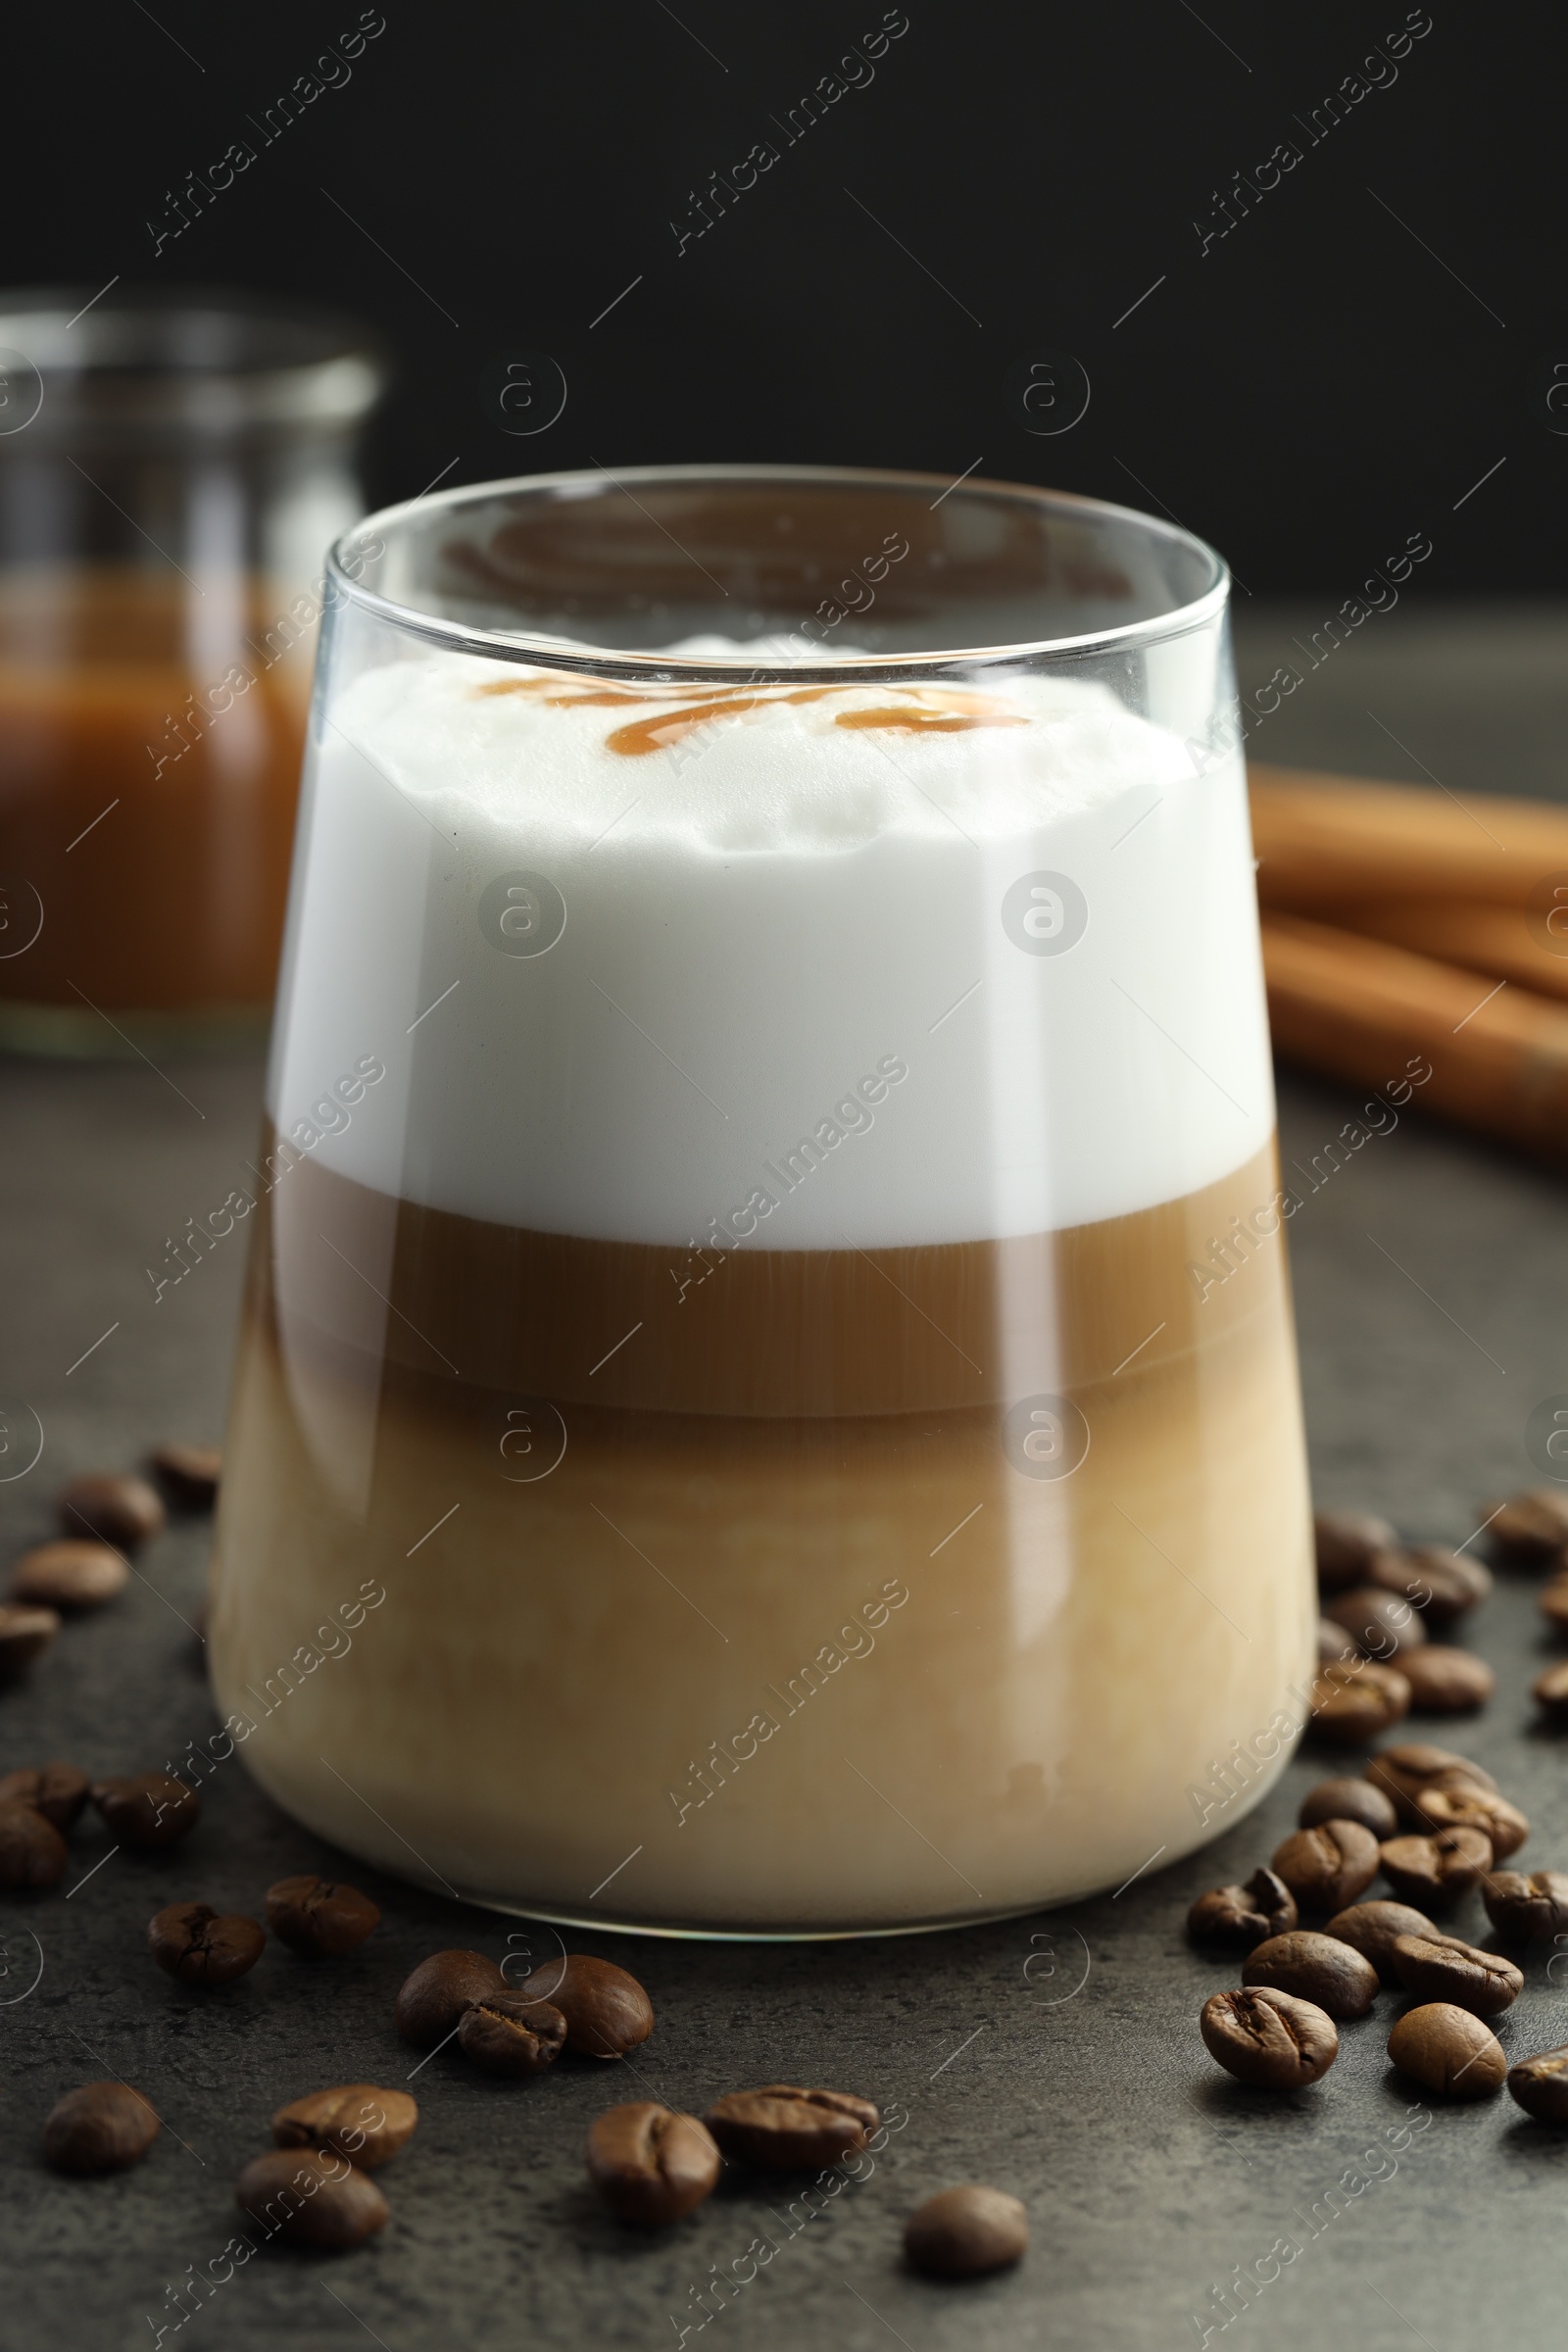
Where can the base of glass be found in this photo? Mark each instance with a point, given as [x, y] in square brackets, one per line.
[597, 1923]
[80, 1033]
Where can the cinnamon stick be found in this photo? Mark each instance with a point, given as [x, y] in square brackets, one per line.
[1324, 840]
[1528, 946]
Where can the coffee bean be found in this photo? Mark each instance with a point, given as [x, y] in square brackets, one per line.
[1371, 1929]
[56, 1791]
[1530, 1528]
[356, 2120]
[1241, 1916]
[1267, 2038]
[1446, 1681]
[432, 2001]
[1319, 1969]
[1448, 2051]
[1527, 1910]
[203, 1946]
[311, 2196]
[963, 2232]
[24, 1633]
[507, 2035]
[1551, 1691]
[1348, 1543]
[150, 1808]
[119, 1511]
[1502, 1825]
[33, 1853]
[649, 2165]
[1414, 1768]
[1442, 1968]
[1541, 2085]
[319, 1918]
[1348, 1801]
[606, 2011]
[99, 2129]
[1333, 1643]
[190, 1474]
[782, 2129]
[1328, 1865]
[1381, 1624]
[71, 1574]
[1437, 1869]
[1355, 1701]
[1552, 1600]
[1444, 1586]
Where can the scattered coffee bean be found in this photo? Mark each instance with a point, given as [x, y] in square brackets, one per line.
[1502, 1825]
[782, 2129]
[1446, 1681]
[1444, 1586]
[649, 2165]
[1348, 1543]
[99, 2129]
[150, 1808]
[963, 2232]
[432, 2001]
[356, 2120]
[1531, 1527]
[319, 1918]
[1328, 1865]
[33, 1853]
[1448, 2051]
[1408, 1772]
[118, 1510]
[56, 1791]
[1241, 1916]
[1552, 1599]
[1442, 1968]
[1381, 1624]
[1540, 2086]
[24, 1633]
[311, 2197]
[1355, 1701]
[73, 1574]
[1436, 1869]
[1320, 1968]
[606, 2011]
[1334, 1644]
[1372, 1928]
[1348, 1801]
[1551, 1691]
[507, 2035]
[190, 1474]
[1267, 2038]
[1527, 1910]
[203, 1946]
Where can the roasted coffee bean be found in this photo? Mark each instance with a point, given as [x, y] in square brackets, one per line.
[606, 2011]
[313, 2196]
[1321, 1969]
[118, 1510]
[56, 1791]
[1241, 1916]
[1348, 1543]
[203, 1946]
[1552, 1600]
[150, 1808]
[1502, 1825]
[1334, 1644]
[356, 2120]
[1371, 1929]
[1446, 1681]
[99, 2129]
[1437, 1869]
[782, 2129]
[1267, 2038]
[649, 2165]
[1551, 1691]
[71, 1574]
[1328, 1865]
[963, 2232]
[33, 1853]
[432, 2001]
[507, 2035]
[190, 1474]
[1448, 2051]
[319, 1918]
[1527, 1910]
[1348, 1801]
[1444, 1586]
[24, 1633]
[1355, 1701]
[1541, 2085]
[1414, 1768]
[1530, 1528]
[1442, 1968]
[1381, 1624]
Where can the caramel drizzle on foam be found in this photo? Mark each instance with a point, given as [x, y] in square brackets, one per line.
[920, 711]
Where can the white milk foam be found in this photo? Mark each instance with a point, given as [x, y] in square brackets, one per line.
[759, 920]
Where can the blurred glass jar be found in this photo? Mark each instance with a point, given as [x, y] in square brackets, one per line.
[173, 470]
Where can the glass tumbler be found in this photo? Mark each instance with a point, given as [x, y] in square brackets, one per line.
[767, 1402]
[172, 472]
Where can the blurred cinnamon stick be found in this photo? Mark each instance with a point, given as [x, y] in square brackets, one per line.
[1528, 946]
[1322, 840]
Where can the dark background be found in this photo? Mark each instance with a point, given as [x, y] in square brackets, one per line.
[1321, 383]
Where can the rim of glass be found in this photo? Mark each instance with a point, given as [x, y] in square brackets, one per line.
[573, 653]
